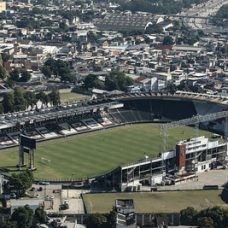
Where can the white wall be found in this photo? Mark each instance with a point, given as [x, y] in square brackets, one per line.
[156, 179]
[202, 167]
[1, 183]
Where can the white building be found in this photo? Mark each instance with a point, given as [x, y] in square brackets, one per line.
[1, 184]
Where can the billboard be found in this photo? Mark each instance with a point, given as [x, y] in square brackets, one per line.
[27, 142]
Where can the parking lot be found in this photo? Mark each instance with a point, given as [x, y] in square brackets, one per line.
[212, 177]
[54, 196]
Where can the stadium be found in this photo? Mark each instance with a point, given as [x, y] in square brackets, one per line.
[109, 133]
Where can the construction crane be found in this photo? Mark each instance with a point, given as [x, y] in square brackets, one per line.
[192, 121]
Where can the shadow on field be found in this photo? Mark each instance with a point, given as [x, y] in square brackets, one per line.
[224, 194]
[9, 168]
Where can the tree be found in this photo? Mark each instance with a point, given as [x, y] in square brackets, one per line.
[55, 97]
[215, 217]
[1, 108]
[42, 2]
[69, 15]
[155, 28]
[23, 216]
[3, 72]
[95, 221]
[8, 224]
[59, 68]
[168, 40]
[44, 98]
[5, 57]
[46, 71]
[19, 100]
[171, 87]
[112, 218]
[117, 80]
[92, 37]
[28, 22]
[51, 63]
[63, 26]
[30, 98]
[8, 102]
[225, 217]
[187, 216]
[92, 81]
[215, 213]
[21, 182]
[15, 75]
[223, 12]
[10, 83]
[25, 76]
[67, 77]
[64, 71]
[40, 216]
[205, 222]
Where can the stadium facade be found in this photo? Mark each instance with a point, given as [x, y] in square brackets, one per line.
[190, 157]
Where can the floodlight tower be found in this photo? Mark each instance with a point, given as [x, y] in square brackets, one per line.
[193, 121]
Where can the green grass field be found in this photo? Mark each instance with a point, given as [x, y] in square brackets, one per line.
[67, 96]
[158, 202]
[97, 152]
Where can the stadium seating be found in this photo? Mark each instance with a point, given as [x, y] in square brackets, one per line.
[14, 136]
[46, 133]
[76, 119]
[5, 141]
[130, 116]
[91, 123]
[104, 121]
[33, 134]
[79, 126]
[66, 129]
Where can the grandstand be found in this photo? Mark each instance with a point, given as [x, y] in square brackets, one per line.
[182, 164]
[81, 117]
[154, 107]
[108, 112]
[54, 122]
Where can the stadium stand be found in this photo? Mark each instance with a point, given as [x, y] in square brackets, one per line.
[79, 126]
[104, 121]
[14, 136]
[81, 117]
[46, 133]
[92, 124]
[5, 141]
[66, 129]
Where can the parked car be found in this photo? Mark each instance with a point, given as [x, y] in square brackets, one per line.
[13, 195]
[63, 207]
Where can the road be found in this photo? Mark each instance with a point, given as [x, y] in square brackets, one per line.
[203, 10]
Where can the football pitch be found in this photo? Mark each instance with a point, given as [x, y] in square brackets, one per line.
[95, 153]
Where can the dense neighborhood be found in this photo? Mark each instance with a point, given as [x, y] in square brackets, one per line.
[59, 55]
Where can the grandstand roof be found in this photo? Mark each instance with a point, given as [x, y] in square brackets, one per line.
[219, 99]
[20, 118]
